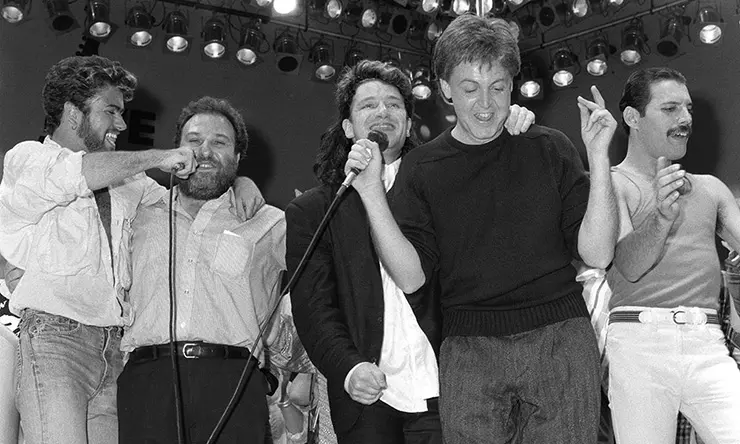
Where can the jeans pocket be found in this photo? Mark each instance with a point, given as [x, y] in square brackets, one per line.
[39, 323]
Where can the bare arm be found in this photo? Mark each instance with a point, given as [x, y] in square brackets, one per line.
[728, 213]
[102, 169]
[598, 233]
[397, 254]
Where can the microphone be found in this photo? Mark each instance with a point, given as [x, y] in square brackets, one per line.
[378, 137]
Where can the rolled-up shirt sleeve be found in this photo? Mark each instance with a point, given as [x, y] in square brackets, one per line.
[413, 215]
[36, 178]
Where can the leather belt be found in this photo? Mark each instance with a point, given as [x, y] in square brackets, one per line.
[678, 317]
[189, 350]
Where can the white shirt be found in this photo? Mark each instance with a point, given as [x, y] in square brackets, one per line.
[51, 228]
[406, 357]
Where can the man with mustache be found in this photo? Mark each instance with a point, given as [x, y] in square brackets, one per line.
[225, 281]
[666, 350]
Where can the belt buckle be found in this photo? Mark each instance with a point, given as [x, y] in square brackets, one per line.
[186, 348]
[677, 321]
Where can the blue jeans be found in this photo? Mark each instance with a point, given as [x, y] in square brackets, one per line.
[66, 386]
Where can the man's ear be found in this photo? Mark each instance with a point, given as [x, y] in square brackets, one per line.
[631, 116]
[73, 115]
[446, 91]
[349, 130]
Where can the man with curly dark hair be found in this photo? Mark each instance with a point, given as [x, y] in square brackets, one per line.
[376, 346]
[66, 207]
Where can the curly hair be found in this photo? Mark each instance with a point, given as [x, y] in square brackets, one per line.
[637, 89]
[77, 80]
[473, 39]
[211, 105]
[334, 147]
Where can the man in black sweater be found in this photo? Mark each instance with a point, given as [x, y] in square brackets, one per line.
[499, 218]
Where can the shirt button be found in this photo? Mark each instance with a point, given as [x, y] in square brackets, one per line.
[187, 291]
[191, 260]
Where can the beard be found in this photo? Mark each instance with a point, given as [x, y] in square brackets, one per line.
[208, 186]
[91, 140]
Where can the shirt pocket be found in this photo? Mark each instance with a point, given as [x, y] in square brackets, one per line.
[233, 253]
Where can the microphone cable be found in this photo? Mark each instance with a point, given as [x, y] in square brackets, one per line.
[179, 420]
[249, 370]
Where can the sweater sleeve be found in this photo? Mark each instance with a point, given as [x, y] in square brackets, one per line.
[413, 214]
[573, 186]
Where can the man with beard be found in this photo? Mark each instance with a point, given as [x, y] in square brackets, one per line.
[225, 281]
[665, 347]
[66, 207]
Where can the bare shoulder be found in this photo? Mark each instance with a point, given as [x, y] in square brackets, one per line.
[626, 190]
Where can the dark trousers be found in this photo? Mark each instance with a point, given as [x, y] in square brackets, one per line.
[146, 402]
[382, 424]
[540, 386]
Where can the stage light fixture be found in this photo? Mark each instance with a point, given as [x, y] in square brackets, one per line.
[434, 30]
[140, 22]
[263, 3]
[460, 7]
[529, 84]
[429, 6]
[98, 18]
[61, 18]
[615, 3]
[597, 53]
[322, 56]
[369, 16]
[564, 67]
[251, 43]
[395, 23]
[527, 23]
[422, 84]
[633, 43]
[353, 56]
[513, 5]
[176, 30]
[285, 7]
[709, 24]
[287, 55]
[580, 8]
[15, 10]
[330, 9]
[214, 38]
[670, 36]
[353, 13]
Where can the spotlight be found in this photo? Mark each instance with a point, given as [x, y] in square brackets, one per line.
[369, 16]
[176, 30]
[564, 67]
[670, 37]
[140, 21]
[263, 3]
[709, 24]
[493, 7]
[322, 56]
[287, 57]
[285, 7]
[422, 85]
[460, 7]
[395, 23]
[429, 6]
[353, 56]
[529, 84]
[580, 8]
[614, 3]
[330, 9]
[214, 38]
[597, 52]
[98, 16]
[61, 19]
[251, 41]
[417, 29]
[633, 43]
[434, 30]
[527, 23]
[353, 14]
[15, 10]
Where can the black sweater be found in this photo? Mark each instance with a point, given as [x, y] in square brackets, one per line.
[500, 222]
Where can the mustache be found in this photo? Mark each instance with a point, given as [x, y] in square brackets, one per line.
[681, 129]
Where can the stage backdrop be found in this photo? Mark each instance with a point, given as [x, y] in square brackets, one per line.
[286, 114]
